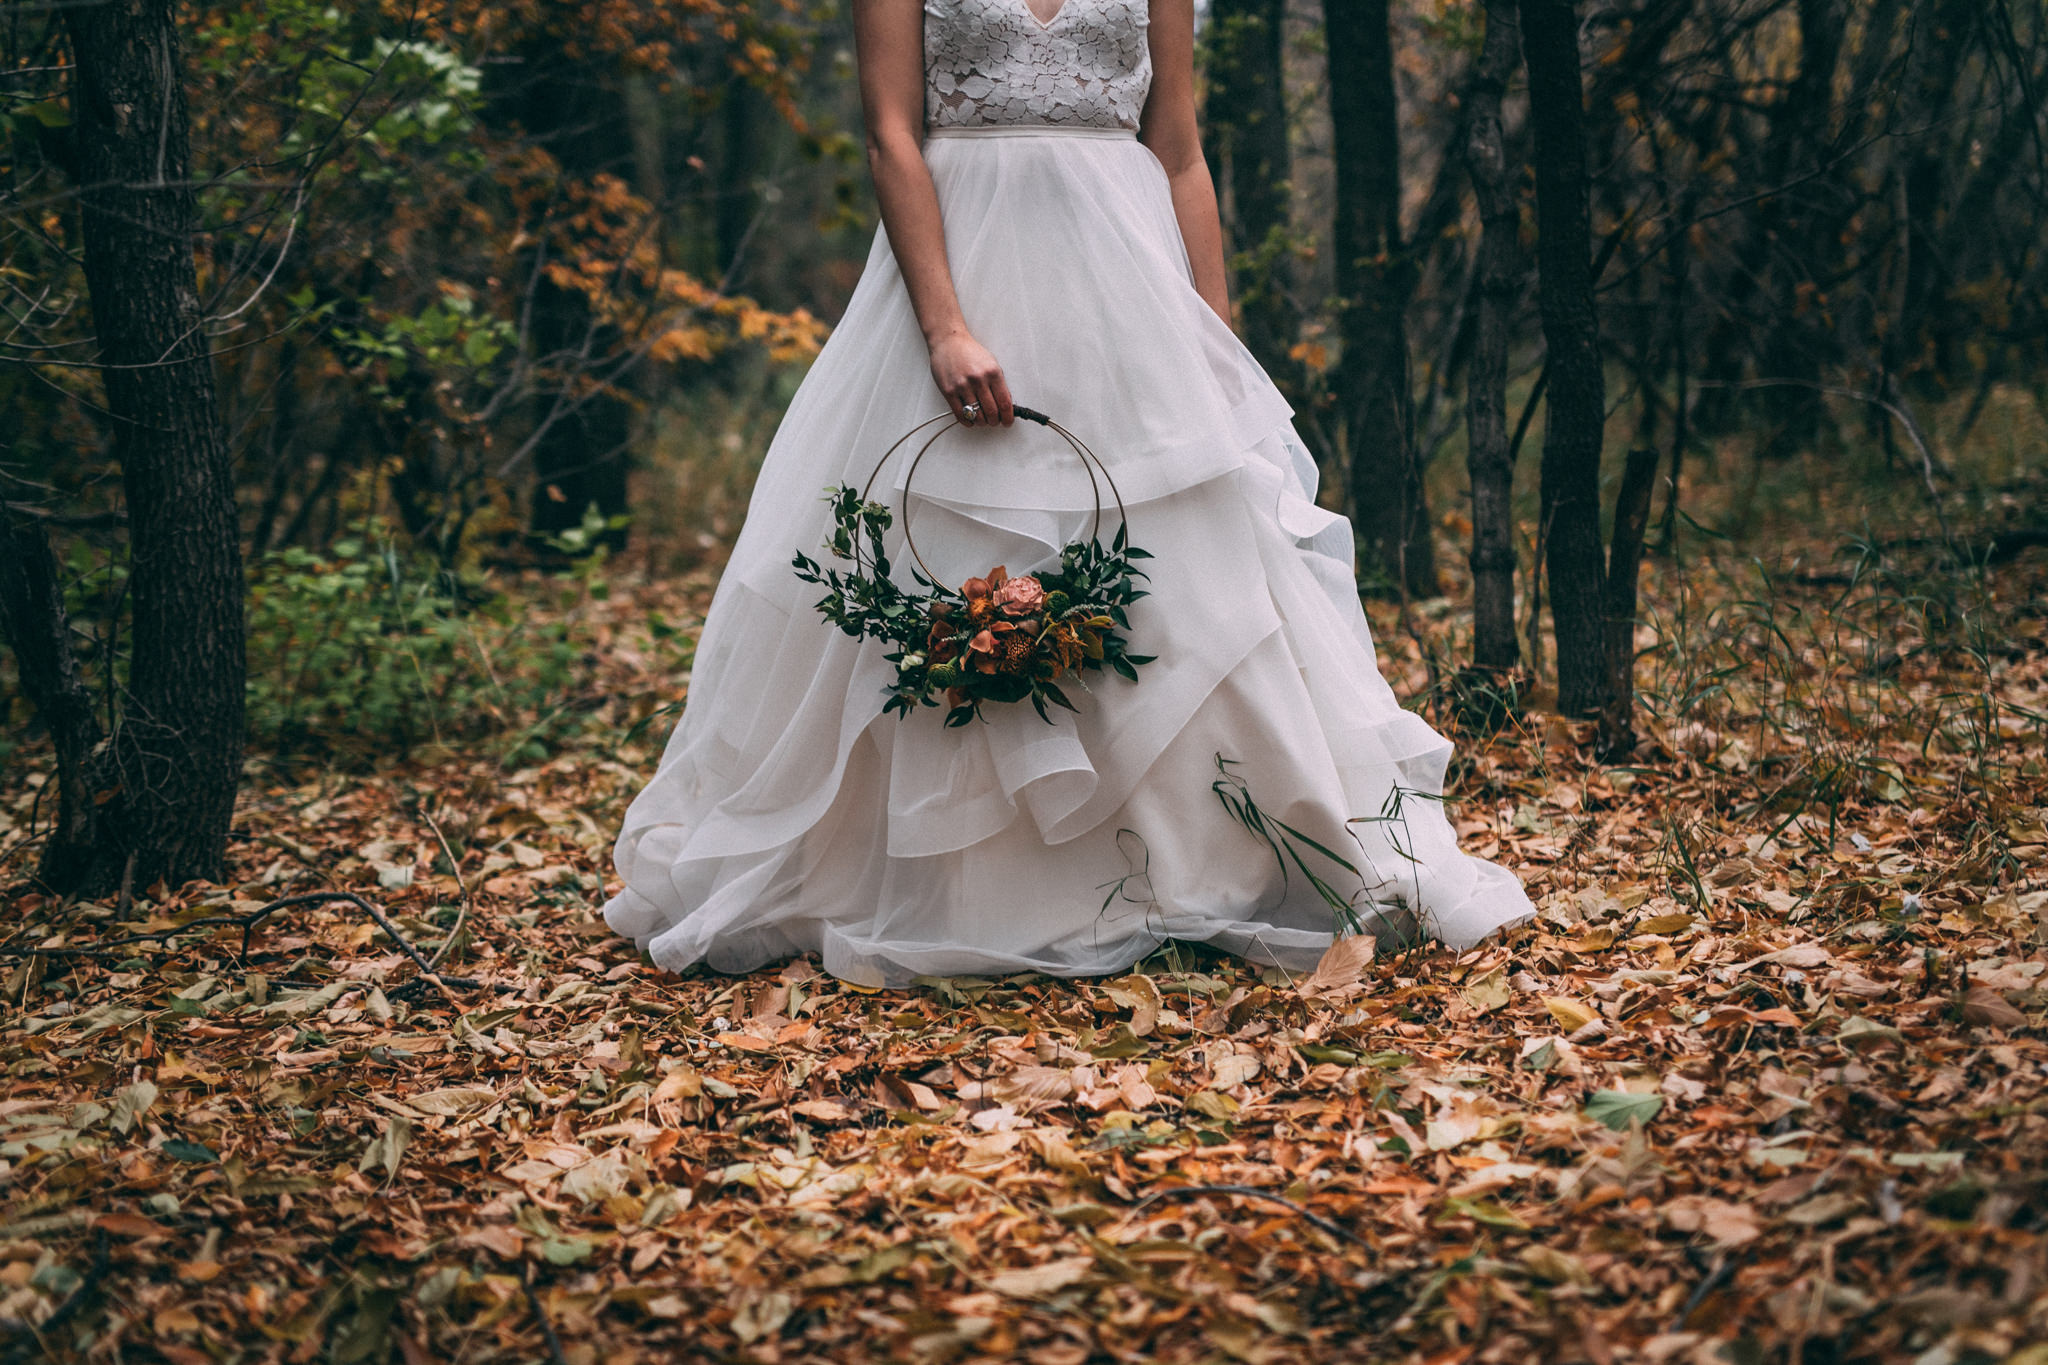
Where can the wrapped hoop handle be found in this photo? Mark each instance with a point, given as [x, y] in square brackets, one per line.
[1090, 461]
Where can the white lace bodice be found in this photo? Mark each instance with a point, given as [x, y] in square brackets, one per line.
[992, 62]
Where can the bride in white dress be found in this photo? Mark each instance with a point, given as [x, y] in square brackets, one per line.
[1049, 232]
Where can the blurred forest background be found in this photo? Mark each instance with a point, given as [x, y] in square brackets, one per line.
[495, 296]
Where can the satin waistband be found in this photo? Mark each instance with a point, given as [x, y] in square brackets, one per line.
[1029, 130]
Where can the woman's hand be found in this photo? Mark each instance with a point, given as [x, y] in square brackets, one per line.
[889, 35]
[968, 375]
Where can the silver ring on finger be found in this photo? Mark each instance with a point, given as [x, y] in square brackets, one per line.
[971, 411]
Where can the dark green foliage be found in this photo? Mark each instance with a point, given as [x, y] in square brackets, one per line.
[930, 630]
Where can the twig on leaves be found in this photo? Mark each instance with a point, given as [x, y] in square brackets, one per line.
[127, 900]
[1723, 1266]
[367, 907]
[462, 884]
[444, 984]
[247, 924]
[428, 976]
[547, 1328]
[1179, 1192]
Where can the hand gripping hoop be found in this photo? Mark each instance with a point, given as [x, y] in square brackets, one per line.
[1090, 461]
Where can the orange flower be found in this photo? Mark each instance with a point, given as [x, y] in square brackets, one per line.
[980, 594]
[981, 652]
[985, 587]
[1063, 645]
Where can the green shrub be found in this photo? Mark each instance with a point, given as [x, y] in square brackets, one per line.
[364, 651]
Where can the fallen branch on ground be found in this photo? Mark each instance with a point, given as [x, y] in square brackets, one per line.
[1180, 1192]
[247, 924]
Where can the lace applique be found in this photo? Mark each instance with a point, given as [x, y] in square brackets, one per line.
[994, 62]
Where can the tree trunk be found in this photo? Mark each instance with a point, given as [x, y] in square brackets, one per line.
[1575, 421]
[1374, 278]
[280, 452]
[738, 163]
[1244, 124]
[166, 780]
[33, 621]
[1624, 560]
[1489, 457]
[1926, 336]
[581, 459]
[1677, 280]
[1800, 240]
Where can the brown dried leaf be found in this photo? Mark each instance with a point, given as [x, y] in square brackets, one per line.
[1984, 1006]
[1341, 967]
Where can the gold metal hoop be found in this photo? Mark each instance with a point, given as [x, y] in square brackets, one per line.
[1090, 461]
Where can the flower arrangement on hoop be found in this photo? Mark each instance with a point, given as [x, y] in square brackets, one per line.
[996, 638]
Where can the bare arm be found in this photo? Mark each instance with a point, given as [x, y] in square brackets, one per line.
[889, 37]
[1169, 130]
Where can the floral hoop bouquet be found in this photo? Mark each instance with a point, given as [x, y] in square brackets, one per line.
[996, 638]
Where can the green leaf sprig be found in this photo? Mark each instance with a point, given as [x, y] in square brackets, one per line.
[933, 630]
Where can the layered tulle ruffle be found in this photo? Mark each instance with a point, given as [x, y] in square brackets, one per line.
[787, 816]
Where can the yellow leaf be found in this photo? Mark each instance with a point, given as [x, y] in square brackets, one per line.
[682, 343]
[825, 1111]
[1489, 992]
[685, 1082]
[1729, 1225]
[1594, 940]
[175, 1321]
[1139, 995]
[1665, 924]
[1570, 1014]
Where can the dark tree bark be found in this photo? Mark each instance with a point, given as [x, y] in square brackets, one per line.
[1575, 420]
[580, 460]
[1928, 336]
[164, 782]
[1678, 278]
[1244, 124]
[1773, 316]
[1375, 276]
[739, 161]
[1489, 456]
[33, 620]
[1624, 560]
[1799, 236]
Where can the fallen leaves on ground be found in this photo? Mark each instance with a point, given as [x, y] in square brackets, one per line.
[1753, 1083]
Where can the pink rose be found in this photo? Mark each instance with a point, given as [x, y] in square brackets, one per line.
[1020, 597]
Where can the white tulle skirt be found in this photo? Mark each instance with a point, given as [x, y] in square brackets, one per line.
[788, 816]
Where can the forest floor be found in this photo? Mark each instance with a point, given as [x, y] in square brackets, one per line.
[1764, 1082]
